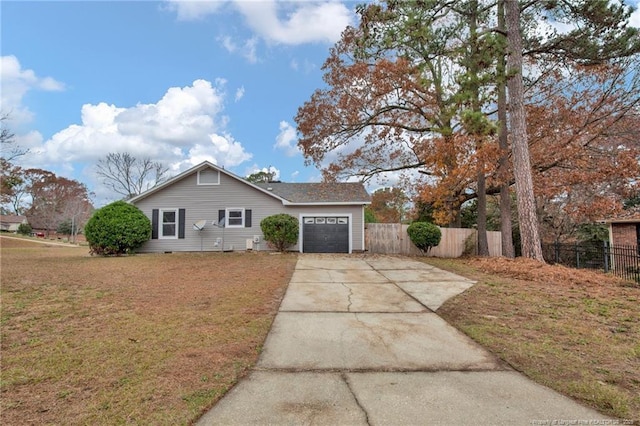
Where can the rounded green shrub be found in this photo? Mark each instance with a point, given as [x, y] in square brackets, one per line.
[280, 230]
[24, 229]
[116, 229]
[424, 235]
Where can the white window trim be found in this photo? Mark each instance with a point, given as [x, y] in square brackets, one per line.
[209, 183]
[161, 224]
[227, 217]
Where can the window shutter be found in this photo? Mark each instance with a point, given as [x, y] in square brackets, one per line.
[221, 218]
[154, 224]
[181, 215]
[247, 218]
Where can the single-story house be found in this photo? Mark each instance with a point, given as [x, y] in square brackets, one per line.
[208, 208]
[624, 230]
[10, 222]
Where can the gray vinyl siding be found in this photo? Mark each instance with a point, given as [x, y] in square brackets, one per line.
[204, 201]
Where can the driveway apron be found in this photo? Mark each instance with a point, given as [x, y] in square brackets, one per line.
[357, 341]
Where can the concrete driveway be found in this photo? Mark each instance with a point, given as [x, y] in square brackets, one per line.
[357, 341]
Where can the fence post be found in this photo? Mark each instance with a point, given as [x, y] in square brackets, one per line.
[605, 254]
[556, 251]
[577, 256]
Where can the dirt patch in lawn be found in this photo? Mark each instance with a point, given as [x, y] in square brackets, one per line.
[146, 339]
[577, 331]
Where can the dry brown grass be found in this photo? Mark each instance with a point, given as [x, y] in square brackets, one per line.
[576, 331]
[146, 339]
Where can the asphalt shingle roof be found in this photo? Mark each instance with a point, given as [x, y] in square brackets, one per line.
[11, 218]
[631, 215]
[331, 192]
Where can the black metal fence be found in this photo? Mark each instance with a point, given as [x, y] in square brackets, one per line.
[623, 261]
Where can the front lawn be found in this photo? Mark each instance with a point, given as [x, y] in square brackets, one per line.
[146, 339]
[576, 331]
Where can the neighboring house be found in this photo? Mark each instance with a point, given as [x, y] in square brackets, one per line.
[624, 230]
[208, 208]
[624, 236]
[10, 222]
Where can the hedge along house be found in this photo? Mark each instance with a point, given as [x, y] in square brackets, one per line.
[207, 208]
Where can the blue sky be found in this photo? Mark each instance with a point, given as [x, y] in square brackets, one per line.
[178, 82]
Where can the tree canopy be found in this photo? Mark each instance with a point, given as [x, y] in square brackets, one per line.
[388, 205]
[45, 198]
[412, 91]
[261, 176]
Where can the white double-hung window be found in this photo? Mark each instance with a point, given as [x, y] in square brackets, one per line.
[235, 218]
[169, 223]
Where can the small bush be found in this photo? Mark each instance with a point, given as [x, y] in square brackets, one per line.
[64, 227]
[116, 229]
[280, 231]
[424, 235]
[24, 229]
[471, 245]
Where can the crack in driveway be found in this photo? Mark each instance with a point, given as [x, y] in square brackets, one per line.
[348, 296]
[355, 397]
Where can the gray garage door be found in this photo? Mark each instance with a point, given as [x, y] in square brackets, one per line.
[325, 234]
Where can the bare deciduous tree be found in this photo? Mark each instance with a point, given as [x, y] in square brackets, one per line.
[8, 147]
[128, 175]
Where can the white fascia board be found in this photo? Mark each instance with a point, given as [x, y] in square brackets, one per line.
[192, 170]
[341, 203]
[359, 203]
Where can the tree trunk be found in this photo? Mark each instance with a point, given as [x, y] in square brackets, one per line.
[474, 92]
[527, 217]
[503, 163]
[483, 241]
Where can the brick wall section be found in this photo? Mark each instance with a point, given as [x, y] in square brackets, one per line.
[624, 234]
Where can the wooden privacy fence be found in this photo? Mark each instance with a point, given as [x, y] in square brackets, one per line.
[392, 238]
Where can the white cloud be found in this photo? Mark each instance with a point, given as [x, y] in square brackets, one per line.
[634, 19]
[15, 83]
[287, 139]
[51, 85]
[29, 140]
[239, 93]
[191, 10]
[247, 49]
[286, 22]
[228, 43]
[306, 66]
[185, 127]
[296, 23]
